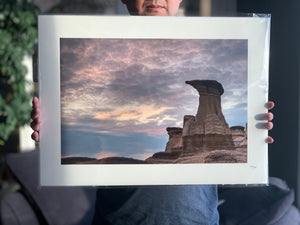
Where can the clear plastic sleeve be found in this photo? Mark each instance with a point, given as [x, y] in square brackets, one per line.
[153, 101]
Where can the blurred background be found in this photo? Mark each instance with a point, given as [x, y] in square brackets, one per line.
[284, 70]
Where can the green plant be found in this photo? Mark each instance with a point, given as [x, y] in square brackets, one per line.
[18, 38]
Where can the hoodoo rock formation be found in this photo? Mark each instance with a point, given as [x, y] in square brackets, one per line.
[237, 131]
[208, 130]
[175, 141]
[206, 137]
[173, 147]
[238, 135]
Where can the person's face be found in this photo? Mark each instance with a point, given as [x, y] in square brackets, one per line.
[152, 7]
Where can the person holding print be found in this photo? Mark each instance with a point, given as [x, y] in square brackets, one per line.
[158, 205]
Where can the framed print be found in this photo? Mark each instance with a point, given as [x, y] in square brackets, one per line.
[153, 100]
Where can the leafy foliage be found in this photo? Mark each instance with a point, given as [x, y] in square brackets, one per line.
[18, 38]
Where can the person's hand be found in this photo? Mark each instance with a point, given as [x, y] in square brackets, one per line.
[269, 124]
[35, 116]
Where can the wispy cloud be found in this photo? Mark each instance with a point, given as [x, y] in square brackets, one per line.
[137, 114]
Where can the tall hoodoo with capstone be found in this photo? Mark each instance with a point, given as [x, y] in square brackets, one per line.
[208, 130]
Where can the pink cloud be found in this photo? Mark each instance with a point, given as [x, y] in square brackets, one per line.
[141, 114]
[105, 155]
[152, 131]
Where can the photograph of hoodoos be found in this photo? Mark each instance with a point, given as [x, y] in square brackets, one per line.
[177, 100]
[134, 101]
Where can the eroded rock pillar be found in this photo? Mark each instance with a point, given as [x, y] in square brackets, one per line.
[208, 130]
[175, 141]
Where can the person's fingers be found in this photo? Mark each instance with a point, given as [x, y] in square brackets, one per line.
[35, 108]
[269, 125]
[35, 116]
[35, 136]
[270, 105]
[35, 113]
[270, 116]
[35, 124]
[35, 103]
[35, 100]
[269, 140]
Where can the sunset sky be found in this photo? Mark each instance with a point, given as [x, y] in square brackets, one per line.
[118, 96]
